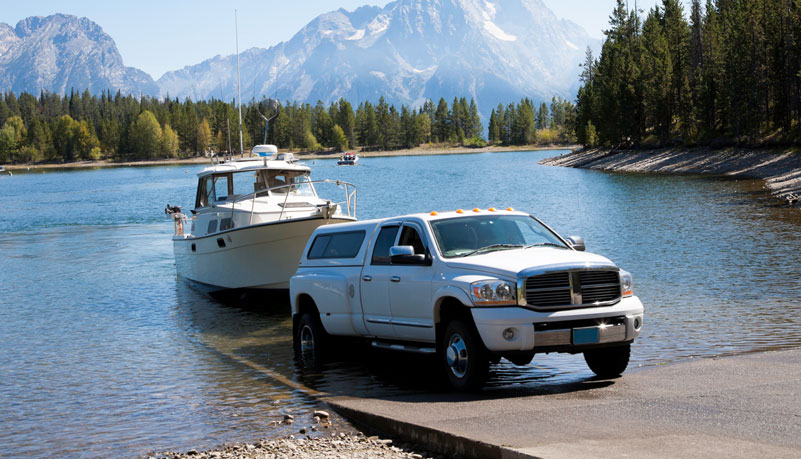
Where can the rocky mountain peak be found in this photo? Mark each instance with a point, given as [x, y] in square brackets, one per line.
[61, 52]
[408, 51]
[8, 36]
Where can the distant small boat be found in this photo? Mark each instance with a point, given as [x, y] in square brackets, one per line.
[348, 159]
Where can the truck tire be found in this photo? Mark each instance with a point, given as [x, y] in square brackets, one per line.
[609, 362]
[463, 356]
[310, 340]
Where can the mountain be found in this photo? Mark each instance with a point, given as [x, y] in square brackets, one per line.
[408, 51]
[61, 52]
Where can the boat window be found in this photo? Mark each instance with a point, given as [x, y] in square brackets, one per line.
[277, 179]
[222, 187]
[242, 183]
[295, 182]
[205, 192]
[226, 223]
[212, 227]
[260, 183]
[337, 245]
[385, 240]
[302, 185]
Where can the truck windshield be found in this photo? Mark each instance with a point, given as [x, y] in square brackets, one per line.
[465, 236]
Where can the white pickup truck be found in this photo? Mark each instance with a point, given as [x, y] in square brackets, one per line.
[469, 286]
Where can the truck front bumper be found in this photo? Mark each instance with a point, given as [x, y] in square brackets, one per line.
[521, 329]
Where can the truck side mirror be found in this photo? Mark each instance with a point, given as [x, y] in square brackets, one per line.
[577, 242]
[404, 255]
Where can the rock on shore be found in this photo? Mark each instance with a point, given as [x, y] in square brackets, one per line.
[781, 169]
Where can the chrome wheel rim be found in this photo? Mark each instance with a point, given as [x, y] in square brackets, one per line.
[306, 342]
[456, 355]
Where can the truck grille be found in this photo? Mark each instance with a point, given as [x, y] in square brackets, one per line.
[573, 289]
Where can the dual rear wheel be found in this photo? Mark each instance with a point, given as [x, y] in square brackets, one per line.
[310, 339]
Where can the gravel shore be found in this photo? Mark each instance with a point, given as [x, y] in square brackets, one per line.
[779, 168]
[338, 446]
[317, 435]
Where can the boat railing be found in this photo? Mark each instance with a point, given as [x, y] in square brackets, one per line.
[349, 201]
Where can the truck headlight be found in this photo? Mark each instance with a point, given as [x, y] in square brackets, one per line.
[626, 283]
[493, 292]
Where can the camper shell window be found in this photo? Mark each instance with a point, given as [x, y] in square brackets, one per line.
[337, 245]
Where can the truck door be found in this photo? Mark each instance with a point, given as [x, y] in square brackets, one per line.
[410, 290]
[375, 282]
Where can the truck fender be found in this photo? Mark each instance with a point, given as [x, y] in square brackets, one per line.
[449, 291]
[330, 296]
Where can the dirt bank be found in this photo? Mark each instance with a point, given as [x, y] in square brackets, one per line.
[779, 168]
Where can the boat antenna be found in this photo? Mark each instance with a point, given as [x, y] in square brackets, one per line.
[272, 104]
[238, 86]
[228, 126]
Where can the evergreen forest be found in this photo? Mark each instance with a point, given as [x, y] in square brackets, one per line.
[726, 73]
[81, 126]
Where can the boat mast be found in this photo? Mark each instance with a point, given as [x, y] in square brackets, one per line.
[238, 87]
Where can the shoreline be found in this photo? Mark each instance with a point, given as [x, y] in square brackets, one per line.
[780, 168]
[301, 156]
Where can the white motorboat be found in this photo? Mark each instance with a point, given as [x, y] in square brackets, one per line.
[348, 159]
[252, 219]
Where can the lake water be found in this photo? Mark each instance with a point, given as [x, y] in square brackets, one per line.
[103, 352]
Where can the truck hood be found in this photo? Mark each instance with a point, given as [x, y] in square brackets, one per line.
[509, 263]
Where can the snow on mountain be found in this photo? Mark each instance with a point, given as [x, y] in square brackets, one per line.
[408, 51]
[61, 52]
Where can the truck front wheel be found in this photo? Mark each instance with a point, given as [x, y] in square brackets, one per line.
[463, 356]
[609, 362]
[310, 340]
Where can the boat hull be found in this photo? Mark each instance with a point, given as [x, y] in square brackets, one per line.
[261, 256]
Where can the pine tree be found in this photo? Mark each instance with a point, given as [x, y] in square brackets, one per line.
[440, 122]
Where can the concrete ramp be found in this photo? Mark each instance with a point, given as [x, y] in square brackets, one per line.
[740, 406]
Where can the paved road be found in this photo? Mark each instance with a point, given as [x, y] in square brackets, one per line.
[740, 406]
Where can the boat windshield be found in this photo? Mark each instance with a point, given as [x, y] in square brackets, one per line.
[298, 181]
[465, 236]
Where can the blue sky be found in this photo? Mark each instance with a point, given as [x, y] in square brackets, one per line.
[161, 35]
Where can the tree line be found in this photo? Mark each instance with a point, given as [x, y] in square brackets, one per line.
[727, 74]
[82, 126]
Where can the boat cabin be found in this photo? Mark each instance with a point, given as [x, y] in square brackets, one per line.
[217, 187]
[252, 191]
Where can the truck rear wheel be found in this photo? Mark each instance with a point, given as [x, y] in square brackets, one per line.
[310, 340]
[463, 356]
[609, 362]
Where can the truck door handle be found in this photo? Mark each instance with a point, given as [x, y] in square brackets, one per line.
[367, 278]
[395, 278]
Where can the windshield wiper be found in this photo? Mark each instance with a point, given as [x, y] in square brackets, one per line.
[544, 244]
[490, 247]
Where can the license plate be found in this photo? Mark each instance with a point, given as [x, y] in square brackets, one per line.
[587, 335]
